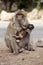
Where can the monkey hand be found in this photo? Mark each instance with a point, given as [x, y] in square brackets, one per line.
[20, 36]
[18, 41]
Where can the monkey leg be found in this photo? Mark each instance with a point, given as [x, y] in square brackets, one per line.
[14, 45]
[8, 43]
[30, 47]
[23, 42]
[26, 43]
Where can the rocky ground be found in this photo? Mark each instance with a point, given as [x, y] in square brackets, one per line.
[24, 58]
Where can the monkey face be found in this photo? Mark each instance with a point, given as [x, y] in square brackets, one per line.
[19, 16]
[31, 26]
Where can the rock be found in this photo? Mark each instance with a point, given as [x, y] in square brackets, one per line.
[39, 43]
[34, 14]
[5, 16]
[14, 7]
[41, 13]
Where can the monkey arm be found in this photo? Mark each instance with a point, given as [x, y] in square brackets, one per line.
[26, 25]
[15, 36]
[23, 27]
[18, 37]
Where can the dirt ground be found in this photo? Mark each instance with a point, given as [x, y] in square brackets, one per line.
[24, 58]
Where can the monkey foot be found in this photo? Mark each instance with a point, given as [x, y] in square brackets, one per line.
[31, 49]
[15, 53]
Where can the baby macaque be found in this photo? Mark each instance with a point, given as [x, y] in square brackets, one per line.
[21, 34]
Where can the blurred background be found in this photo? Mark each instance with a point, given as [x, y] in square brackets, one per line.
[13, 5]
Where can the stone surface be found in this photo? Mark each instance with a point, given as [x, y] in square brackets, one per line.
[24, 58]
[34, 14]
[40, 43]
[14, 7]
[6, 16]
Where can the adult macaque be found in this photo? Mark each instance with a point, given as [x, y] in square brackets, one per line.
[17, 36]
